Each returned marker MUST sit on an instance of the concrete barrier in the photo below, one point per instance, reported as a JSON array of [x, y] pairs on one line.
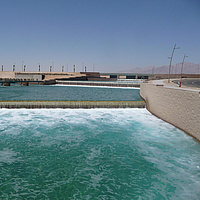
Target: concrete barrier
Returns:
[[71, 104], [179, 107]]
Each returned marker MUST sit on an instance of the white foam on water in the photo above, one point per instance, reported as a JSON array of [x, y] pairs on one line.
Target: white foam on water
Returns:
[[171, 151], [88, 86], [8, 156]]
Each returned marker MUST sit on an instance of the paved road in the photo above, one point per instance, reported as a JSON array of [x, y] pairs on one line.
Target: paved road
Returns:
[[190, 82]]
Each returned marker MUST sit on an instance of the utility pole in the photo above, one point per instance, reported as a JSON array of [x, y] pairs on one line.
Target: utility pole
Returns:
[[153, 70], [171, 61], [93, 67], [53, 65], [182, 69], [82, 66], [22, 65]]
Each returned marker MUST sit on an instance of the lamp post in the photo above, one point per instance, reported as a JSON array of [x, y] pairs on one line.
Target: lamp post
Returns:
[[82, 66], [53, 66], [182, 69], [93, 67], [171, 61], [153, 70]]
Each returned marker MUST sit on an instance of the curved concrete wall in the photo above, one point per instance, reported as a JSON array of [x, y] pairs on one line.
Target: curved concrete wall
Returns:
[[179, 107]]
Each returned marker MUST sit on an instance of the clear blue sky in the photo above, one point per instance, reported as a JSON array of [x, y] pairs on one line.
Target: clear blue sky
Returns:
[[115, 35]]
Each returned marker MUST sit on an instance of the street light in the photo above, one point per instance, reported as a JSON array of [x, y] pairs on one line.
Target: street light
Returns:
[[182, 68], [171, 61]]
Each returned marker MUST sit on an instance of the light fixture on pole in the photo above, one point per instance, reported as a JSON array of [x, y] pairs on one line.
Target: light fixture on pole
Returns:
[[182, 69], [171, 61]]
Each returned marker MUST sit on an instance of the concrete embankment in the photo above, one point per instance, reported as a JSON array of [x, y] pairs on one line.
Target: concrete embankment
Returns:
[[177, 106], [71, 104]]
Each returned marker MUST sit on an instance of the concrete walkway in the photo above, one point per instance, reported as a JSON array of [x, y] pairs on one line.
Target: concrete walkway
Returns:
[[165, 84]]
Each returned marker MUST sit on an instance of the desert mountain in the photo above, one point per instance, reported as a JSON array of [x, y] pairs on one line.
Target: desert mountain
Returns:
[[188, 68]]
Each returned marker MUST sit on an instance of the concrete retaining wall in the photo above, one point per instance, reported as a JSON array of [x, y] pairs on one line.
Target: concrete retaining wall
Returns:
[[179, 107], [28, 77], [4, 75], [72, 104]]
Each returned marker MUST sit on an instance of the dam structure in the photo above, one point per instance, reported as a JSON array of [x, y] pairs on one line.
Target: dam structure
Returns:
[[69, 96], [69, 79], [178, 106]]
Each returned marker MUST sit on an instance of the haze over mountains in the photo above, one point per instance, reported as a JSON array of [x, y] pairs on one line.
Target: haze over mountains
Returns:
[[188, 68]]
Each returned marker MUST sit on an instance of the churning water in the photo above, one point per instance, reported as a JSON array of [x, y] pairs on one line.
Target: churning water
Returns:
[[95, 154]]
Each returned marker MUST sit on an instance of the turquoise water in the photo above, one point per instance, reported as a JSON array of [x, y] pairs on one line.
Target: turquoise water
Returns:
[[95, 154], [57, 93]]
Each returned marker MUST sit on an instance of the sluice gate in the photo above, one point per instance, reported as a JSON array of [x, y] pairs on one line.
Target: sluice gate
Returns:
[[71, 104]]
